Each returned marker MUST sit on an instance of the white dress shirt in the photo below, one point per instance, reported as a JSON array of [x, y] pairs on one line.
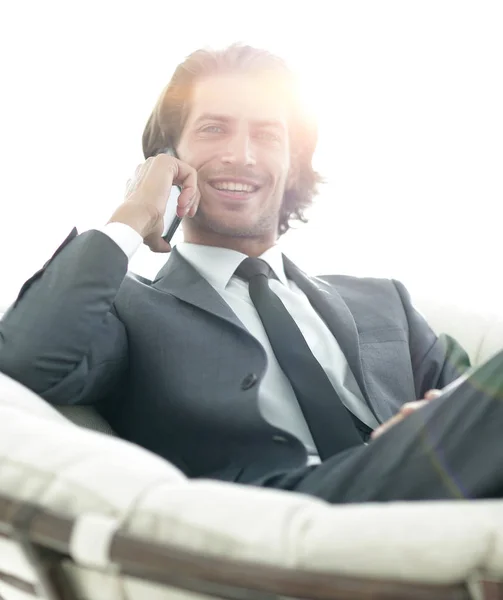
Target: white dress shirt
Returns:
[[276, 398]]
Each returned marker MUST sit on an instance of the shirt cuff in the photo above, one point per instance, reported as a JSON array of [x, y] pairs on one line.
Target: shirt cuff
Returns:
[[124, 236]]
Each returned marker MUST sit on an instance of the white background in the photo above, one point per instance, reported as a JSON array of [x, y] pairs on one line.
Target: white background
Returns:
[[409, 96]]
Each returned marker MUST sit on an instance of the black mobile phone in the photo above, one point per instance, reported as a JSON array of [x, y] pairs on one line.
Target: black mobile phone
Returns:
[[171, 219]]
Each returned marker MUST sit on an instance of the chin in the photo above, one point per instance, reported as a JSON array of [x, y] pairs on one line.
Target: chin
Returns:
[[237, 226]]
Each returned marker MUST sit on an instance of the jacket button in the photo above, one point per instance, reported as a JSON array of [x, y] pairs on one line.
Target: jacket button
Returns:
[[249, 381]]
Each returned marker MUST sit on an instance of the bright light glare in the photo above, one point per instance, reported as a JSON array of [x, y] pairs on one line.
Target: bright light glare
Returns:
[[408, 97]]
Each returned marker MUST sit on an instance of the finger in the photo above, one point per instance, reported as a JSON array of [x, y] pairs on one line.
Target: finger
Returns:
[[385, 426], [380, 430], [185, 200], [195, 205], [181, 173], [193, 210], [186, 176], [432, 394], [167, 171], [410, 407], [155, 179], [405, 410], [136, 180], [157, 244], [141, 171]]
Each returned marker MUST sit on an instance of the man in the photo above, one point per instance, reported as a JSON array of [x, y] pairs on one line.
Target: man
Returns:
[[241, 369]]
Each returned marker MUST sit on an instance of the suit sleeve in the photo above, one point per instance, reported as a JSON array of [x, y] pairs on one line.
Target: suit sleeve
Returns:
[[436, 360], [62, 338]]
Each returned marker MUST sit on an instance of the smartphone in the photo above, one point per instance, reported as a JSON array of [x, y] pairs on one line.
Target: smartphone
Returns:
[[171, 219]]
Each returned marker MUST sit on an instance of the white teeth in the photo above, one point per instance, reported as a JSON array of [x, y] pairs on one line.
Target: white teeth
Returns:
[[233, 187]]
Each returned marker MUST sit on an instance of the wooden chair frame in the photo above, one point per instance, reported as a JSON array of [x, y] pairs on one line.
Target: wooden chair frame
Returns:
[[45, 540]]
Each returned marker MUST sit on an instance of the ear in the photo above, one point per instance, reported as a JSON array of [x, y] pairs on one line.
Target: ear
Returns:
[[292, 178]]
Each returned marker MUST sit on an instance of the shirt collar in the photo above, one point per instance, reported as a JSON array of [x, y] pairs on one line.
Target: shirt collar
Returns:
[[217, 265]]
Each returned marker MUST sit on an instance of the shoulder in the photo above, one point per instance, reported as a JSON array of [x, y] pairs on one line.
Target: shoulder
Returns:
[[365, 287], [374, 302], [135, 290], [133, 279]]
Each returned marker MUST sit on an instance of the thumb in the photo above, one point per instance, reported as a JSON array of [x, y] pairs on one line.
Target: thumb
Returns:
[[410, 407], [432, 394], [157, 243]]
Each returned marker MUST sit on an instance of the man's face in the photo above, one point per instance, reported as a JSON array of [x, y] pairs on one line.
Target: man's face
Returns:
[[236, 137]]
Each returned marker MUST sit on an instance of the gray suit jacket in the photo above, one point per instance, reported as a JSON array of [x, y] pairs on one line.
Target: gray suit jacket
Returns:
[[172, 368]]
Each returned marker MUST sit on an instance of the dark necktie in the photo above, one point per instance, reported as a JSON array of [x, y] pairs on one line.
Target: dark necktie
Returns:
[[328, 419]]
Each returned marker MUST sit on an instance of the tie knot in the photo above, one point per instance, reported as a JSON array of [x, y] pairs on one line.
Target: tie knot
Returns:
[[251, 267]]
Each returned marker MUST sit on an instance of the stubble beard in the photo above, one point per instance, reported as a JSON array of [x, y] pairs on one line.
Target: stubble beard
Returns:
[[261, 228]]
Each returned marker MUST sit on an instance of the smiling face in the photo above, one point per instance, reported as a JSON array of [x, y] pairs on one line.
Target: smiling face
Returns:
[[236, 137]]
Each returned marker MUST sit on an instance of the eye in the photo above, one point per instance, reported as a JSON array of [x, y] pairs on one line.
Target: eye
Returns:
[[269, 136], [212, 129]]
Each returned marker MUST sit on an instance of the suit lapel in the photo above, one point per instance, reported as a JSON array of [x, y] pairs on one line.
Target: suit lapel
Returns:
[[334, 311], [179, 278]]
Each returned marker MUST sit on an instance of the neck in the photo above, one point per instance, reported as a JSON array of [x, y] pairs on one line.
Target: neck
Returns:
[[250, 246]]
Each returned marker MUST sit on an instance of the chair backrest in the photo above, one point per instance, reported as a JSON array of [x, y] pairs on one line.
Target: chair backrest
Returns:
[[38, 549], [479, 331], [90, 516]]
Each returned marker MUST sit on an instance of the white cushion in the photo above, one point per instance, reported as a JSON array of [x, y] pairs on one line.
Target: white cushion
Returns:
[[78, 472], [479, 332], [48, 460], [17, 396]]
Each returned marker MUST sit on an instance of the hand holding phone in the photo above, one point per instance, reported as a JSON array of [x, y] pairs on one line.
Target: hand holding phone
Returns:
[[153, 206], [171, 218]]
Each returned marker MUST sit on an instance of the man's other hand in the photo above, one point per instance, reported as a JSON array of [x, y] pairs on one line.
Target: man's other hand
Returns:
[[407, 409]]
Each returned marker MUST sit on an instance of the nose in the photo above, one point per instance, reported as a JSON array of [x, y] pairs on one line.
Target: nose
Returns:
[[239, 150]]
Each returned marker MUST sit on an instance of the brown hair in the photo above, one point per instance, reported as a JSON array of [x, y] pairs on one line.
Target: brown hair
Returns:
[[165, 124]]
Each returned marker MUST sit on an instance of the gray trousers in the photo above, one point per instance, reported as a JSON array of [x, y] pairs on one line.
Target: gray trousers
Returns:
[[451, 448]]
